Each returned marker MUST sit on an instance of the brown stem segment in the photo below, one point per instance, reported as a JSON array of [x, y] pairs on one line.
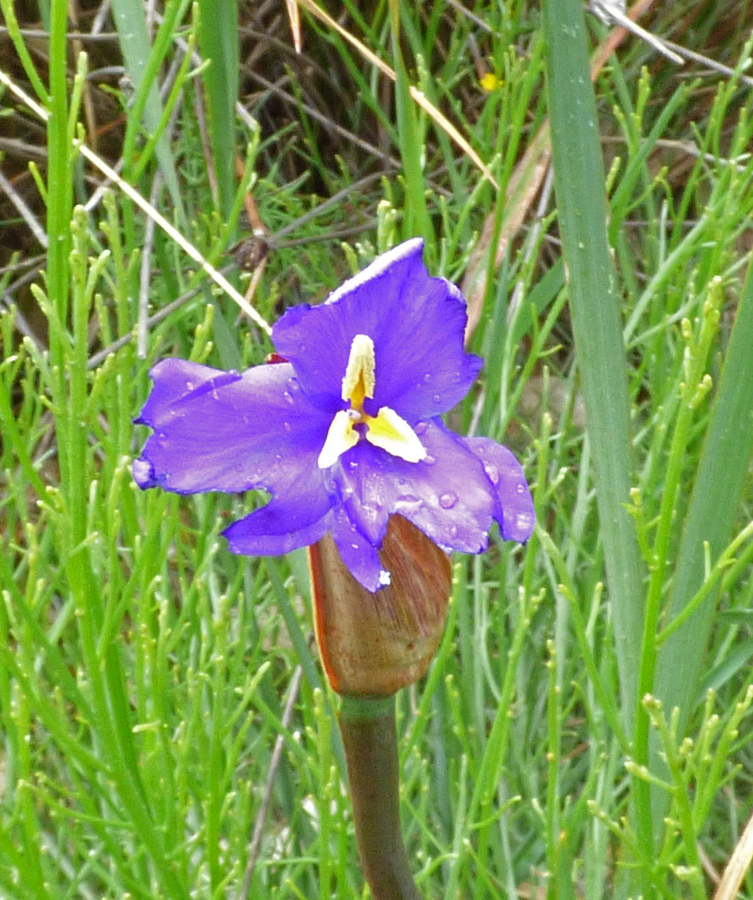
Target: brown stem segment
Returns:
[[370, 738]]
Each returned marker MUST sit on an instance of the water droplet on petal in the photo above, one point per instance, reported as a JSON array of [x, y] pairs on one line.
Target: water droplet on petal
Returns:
[[493, 473], [419, 427], [370, 511], [189, 385], [454, 531], [292, 384], [521, 489], [352, 464], [407, 503], [286, 426], [215, 395], [429, 460], [436, 398], [448, 500], [288, 397], [427, 378]]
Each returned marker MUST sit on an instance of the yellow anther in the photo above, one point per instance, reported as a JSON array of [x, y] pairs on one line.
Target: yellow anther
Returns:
[[359, 375]]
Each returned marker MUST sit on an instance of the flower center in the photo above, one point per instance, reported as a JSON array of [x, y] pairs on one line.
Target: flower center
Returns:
[[386, 429]]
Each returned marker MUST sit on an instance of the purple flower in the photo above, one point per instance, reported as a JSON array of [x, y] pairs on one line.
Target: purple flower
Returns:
[[346, 430]]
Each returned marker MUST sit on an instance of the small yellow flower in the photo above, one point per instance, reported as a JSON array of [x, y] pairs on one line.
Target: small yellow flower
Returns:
[[490, 82]]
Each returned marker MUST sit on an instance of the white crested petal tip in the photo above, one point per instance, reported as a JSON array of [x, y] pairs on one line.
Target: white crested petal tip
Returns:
[[392, 433], [380, 265], [340, 437]]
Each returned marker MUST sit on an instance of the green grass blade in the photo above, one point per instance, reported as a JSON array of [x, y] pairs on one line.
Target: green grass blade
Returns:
[[594, 306], [410, 137], [142, 62], [218, 42]]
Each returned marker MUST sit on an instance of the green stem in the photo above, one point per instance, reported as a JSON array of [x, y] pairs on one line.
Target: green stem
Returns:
[[370, 738]]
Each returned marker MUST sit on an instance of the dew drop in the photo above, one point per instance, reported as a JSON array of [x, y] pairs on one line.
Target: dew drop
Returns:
[[286, 427], [493, 473], [448, 500], [419, 427], [370, 511], [215, 395], [292, 384], [454, 531], [427, 378], [352, 464], [189, 385], [288, 397], [406, 503], [429, 460], [521, 489], [436, 398]]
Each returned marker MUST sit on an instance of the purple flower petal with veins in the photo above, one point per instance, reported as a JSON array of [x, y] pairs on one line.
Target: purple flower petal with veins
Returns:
[[346, 431]]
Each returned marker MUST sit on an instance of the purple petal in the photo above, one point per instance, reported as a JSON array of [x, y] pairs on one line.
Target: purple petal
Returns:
[[448, 495], [278, 527], [417, 324], [221, 431], [515, 512], [358, 553]]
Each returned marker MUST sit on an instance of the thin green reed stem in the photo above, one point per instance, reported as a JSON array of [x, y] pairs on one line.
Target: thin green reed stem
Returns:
[[59, 207], [594, 306], [714, 507], [693, 388], [69, 355], [417, 219], [14, 33]]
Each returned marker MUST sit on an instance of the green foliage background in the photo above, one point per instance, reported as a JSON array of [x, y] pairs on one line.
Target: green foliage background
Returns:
[[164, 728]]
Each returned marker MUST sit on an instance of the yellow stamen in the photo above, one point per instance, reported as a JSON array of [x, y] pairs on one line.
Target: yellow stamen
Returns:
[[359, 376]]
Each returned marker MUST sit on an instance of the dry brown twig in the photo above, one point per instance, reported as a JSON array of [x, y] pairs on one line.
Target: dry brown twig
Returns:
[[737, 866]]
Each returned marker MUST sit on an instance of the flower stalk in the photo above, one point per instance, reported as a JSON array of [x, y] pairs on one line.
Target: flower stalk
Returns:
[[370, 739]]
